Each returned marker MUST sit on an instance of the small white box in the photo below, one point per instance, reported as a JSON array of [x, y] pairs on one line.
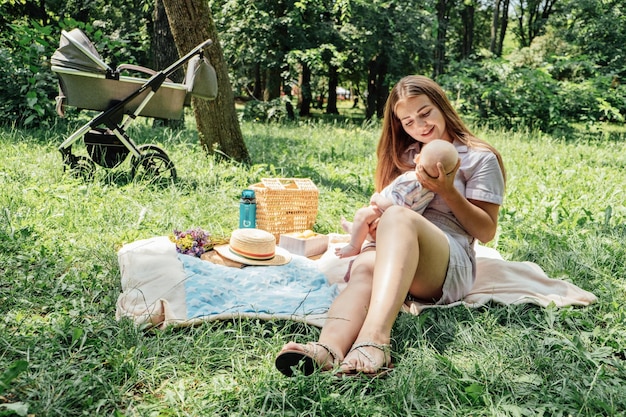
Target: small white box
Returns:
[[309, 246]]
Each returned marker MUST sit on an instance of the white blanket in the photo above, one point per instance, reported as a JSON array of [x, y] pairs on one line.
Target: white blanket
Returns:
[[161, 287], [497, 280]]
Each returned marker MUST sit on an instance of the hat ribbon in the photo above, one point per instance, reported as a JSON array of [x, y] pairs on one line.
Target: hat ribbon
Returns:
[[253, 256]]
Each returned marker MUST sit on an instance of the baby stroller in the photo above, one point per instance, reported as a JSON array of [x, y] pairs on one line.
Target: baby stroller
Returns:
[[87, 82]]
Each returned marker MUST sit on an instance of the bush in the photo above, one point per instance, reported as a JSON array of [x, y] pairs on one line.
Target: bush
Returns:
[[266, 111], [27, 98], [499, 95], [29, 88]]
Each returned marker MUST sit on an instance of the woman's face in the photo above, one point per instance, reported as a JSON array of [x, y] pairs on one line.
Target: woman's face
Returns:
[[421, 119]]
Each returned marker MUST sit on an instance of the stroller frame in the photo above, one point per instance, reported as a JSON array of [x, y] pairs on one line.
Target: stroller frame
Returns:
[[105, 134]]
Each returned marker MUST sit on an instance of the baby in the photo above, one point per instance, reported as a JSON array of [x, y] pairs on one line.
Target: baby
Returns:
[[405, 190]]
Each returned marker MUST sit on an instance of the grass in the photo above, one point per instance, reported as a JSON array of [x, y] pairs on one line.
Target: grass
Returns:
[[62, 353]]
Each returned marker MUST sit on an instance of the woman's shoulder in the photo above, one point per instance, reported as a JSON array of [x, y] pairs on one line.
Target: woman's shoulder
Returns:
[[476, 154], [478, 160]]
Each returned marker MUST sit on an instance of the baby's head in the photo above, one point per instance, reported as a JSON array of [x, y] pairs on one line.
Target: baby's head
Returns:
[[435, 151]]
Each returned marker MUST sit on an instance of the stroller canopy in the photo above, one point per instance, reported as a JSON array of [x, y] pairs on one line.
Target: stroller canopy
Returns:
[[77, 52]]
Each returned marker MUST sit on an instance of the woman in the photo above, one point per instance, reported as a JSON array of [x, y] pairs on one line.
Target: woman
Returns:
[[429, 256]]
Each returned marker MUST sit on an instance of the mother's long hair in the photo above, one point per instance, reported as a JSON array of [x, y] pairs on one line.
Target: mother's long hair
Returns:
[[394, 140]]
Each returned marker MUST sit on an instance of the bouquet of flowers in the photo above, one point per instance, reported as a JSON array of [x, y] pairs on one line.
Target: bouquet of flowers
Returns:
[[193, 242]]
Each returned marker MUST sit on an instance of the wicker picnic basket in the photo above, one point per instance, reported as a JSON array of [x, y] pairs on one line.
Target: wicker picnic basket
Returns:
[[285, 205]]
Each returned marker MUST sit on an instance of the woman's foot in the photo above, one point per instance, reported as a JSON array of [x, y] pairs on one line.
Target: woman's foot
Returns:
[[307, 358], [367, 358]]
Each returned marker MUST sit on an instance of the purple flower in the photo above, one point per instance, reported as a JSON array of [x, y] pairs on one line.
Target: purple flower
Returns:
[[192, 242]]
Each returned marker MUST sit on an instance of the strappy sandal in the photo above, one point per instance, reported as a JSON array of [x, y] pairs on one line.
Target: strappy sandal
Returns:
[[382, 370], [306, 360]]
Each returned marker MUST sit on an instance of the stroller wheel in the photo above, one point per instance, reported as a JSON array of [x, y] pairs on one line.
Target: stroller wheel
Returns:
[[81, 167], [152, 166], [147, 149]]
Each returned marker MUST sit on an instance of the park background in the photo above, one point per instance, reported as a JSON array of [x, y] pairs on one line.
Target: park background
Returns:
[[541, 80]]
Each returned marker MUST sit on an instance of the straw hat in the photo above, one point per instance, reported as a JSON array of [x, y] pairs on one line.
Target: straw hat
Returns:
[[254, 247]]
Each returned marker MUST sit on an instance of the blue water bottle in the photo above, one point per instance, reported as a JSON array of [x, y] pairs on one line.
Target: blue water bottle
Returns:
[[247, 210]]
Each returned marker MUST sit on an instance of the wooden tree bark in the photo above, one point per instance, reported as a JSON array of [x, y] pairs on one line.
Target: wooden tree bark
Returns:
[[532, 18], [272, 84], [443, 18], [333, 83], [504, 22], [305, 97], [467, 17], [218, 126], [499, 24], [370, 104], [377, 88], [257, 89], [164, 54]]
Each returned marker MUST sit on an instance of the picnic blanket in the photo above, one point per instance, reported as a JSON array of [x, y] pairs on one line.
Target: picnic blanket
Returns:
[[161, 287]]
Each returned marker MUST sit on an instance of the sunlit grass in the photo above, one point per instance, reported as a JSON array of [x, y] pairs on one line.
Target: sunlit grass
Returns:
[[564, 209]]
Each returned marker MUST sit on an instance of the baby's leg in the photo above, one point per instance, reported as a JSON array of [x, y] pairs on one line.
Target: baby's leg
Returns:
[[346, 225], [360, 229]]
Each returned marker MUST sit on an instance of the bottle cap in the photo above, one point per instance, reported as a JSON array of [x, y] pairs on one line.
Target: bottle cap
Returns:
[[247, 194]]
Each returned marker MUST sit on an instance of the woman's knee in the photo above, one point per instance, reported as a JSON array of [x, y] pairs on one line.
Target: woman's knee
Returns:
[[399, 218], [362, 270]]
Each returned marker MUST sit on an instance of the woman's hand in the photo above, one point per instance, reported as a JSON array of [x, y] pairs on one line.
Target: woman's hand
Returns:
[[373, 227], [443, 184], [479, 218]]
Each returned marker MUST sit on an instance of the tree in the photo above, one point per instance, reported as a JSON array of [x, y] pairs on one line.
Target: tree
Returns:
[[443, 18], [164, 53], [598, 29], [218, 127], [532, 17], [257, 35], [305, 96], [498, 26], [467, 30], [315, 45]]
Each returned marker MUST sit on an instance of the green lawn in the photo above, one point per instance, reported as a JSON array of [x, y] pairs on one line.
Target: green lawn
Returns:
[[62, 353]]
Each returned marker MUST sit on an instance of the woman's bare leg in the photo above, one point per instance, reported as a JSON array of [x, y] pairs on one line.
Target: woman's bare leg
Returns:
[[347, 312], [411, 256]]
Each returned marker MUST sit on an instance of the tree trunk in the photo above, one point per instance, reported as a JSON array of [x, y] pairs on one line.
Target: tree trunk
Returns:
[[272, 84], [165, 53], [495, 25], [305, 97], [333, 83], [532, 18], [499, 24], [377, 88], [370, 105], [504, 22], [467, 16], [382, 89], [443, 17], [257, 90], [218, 126]]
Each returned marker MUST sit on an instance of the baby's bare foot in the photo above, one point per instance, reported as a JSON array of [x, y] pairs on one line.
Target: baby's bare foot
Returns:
[[347, 251]]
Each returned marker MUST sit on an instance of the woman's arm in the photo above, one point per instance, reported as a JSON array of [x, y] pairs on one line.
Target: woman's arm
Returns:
[[479, 218]]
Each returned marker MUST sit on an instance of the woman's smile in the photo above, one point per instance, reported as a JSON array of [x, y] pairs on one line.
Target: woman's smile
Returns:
[[420, 119]]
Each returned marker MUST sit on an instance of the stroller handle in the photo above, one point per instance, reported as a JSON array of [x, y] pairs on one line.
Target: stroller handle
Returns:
[[197, 50], [204, 44]]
